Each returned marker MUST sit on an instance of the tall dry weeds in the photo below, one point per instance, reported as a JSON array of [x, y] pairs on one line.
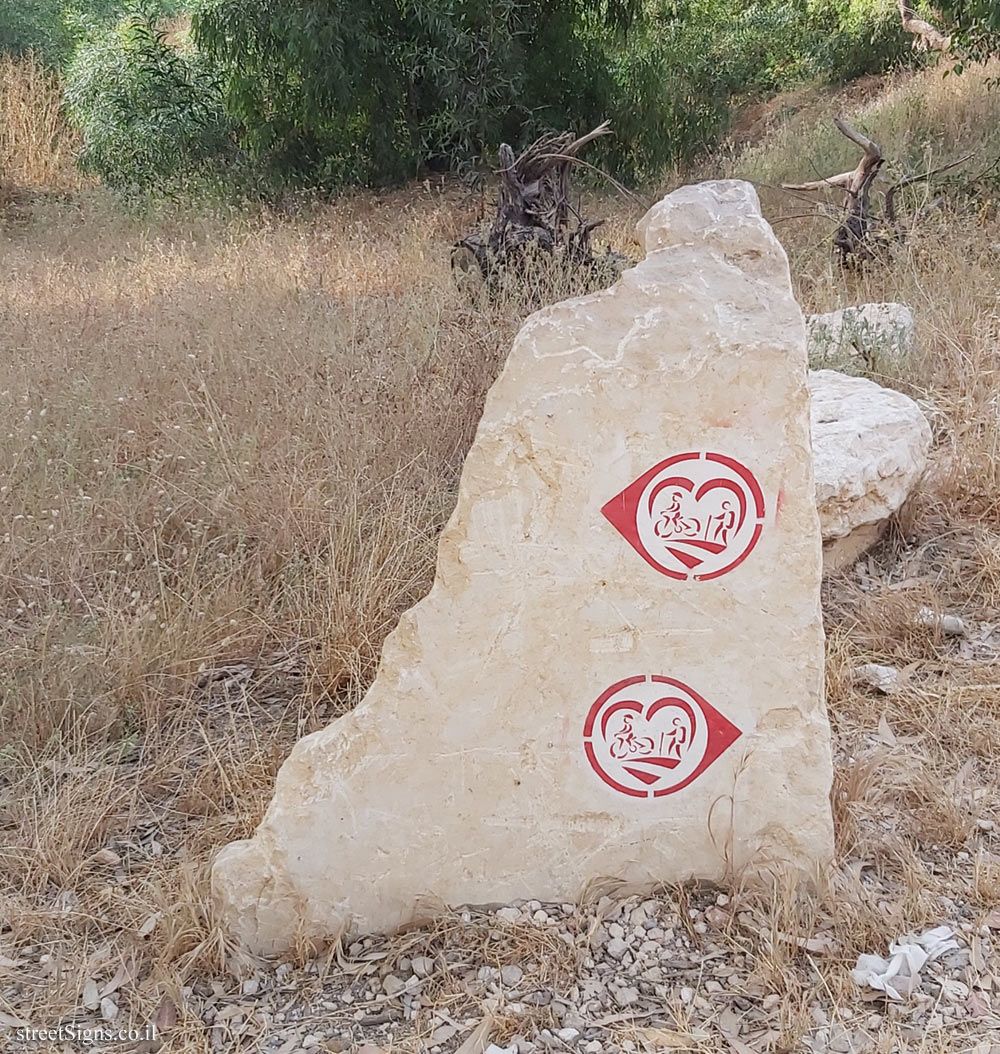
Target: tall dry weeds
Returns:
[[36, 144]]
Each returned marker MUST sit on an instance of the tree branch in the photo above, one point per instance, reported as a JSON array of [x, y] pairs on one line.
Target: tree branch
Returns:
[[872, 151], [890, 194], [850, 182], [842, 182], [928, 37]]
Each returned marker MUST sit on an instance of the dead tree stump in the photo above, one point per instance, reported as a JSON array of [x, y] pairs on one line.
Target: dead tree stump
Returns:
[[531, 224], [864, 233]]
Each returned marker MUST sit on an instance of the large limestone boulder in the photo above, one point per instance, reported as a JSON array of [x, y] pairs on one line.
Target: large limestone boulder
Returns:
[[870, 449], [872, 332], [619, 668]]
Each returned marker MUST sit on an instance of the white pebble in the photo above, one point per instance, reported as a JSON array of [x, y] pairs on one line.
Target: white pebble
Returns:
[[627, 996], [392, 985], [616, 948]]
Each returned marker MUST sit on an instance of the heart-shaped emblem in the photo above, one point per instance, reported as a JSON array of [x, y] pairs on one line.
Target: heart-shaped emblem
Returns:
[[695, 515], [651, 736]]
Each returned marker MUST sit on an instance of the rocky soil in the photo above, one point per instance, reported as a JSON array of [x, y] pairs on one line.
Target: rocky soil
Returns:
[[691, 969]]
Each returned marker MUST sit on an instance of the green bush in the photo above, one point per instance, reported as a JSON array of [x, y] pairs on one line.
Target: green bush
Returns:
[[321, 93], [51, 28], [151, 112], [374, 90], [369, 91], [976, 26], [35, 25], [855, 37], [683, 71]]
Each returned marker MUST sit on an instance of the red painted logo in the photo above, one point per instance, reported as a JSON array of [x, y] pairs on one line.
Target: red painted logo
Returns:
[[695, 515], [651, 736]]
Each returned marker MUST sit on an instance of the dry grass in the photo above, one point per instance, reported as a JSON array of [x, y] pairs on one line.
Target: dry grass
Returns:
[[228, 446], [36, 145]]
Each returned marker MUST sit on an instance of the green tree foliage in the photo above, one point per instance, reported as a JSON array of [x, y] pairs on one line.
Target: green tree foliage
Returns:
[[375, 90], [685, 67], [977, 26], [673, 85], [45, 27], [151, 112], [371, 90], [326, 92], [854, 37], [34, 25], [53, 28]]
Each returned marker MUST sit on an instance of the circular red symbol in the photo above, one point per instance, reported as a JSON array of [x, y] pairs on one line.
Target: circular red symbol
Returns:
[[695, 515], [651, 736]]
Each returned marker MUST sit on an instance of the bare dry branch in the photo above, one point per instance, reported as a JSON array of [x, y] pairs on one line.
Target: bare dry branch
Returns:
[[858, 181], [624, 191], [534, 209], [863, 234], [575, 146], [796, 216], [841, 182], [871, 149], [928, 37]]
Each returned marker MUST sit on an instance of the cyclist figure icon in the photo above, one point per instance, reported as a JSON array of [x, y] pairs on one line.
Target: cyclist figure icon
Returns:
[[627, 743], [672, 522], [673, 744]]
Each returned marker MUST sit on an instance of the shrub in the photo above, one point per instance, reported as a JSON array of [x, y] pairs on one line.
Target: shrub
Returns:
[[50, 28], [151, 112], [36, 26], [977, 26], [855, 37], [322, 93], [684, 68], [374, 90]]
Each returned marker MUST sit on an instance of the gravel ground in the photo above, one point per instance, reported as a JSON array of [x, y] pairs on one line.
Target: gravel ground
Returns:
[[691, 971]]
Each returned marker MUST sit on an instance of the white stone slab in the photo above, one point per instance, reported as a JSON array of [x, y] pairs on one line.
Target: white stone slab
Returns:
[[619, 668], [870, 448]]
